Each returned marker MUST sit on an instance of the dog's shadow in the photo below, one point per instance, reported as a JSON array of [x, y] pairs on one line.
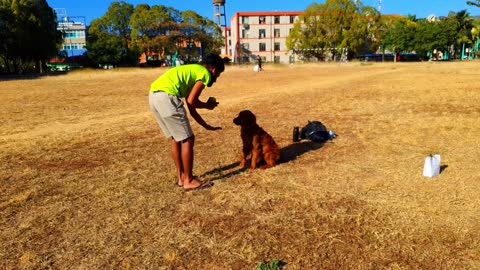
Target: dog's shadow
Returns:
[[224, 172], [293, 151], [288, 153]]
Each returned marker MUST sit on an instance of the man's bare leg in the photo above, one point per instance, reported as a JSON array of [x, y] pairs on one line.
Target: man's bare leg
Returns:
[[189, 181], [177, 158]]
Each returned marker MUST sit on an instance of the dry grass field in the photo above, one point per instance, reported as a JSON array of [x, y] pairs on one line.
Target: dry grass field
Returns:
[[87, 181]]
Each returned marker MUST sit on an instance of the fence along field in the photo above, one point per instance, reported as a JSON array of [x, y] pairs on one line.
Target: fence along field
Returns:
[[87, 181]]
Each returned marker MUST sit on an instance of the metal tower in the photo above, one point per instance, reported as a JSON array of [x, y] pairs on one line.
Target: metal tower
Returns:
[[61, 14], [379, 6], [219, 13]]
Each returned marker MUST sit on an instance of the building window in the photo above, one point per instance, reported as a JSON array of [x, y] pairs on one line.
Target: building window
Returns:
[[261, 33], [244, 33], [277, 46], [262, 20], [244, 20], [292, 19], [262, 47], [229, 42], [277, 32], [245, 46], [276, 59], [70, 34], [74, 34], [74, 46], [276, 19]]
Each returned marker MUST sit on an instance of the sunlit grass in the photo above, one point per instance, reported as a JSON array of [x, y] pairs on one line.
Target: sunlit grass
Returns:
[[87, 180]]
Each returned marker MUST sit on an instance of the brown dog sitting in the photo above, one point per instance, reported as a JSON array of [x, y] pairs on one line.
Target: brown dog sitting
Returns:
[[256, 142]]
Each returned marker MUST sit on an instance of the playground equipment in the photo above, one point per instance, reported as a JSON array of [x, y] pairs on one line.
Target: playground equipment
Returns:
[[475, 52], [174, 59], [471, 53]]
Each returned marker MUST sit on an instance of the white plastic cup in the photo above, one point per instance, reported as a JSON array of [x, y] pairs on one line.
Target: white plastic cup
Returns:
[[431, 167]]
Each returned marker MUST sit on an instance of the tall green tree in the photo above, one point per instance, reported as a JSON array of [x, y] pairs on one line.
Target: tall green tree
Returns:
[[325, 29], [304, 37], [464, 25], [458, 26], [362, 36], [124, 32], [433, 35], [7, 36], [109, 37], [399, 35], [28, 30], [197, 29], [155, 29]]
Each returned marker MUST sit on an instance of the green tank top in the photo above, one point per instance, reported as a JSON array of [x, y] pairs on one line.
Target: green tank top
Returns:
[[179, 81]]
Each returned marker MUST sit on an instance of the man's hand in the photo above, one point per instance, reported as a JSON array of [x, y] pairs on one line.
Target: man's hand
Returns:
[[211, 103]]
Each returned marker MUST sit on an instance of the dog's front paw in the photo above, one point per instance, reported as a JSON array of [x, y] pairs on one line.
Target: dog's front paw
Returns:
[[242, 164]]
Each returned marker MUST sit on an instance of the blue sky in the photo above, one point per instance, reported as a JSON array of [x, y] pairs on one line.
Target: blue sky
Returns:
[[91, 9]]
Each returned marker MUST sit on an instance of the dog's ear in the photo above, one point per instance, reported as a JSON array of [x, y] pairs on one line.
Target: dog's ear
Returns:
[[245, 118], [249, 118], [253, 118]]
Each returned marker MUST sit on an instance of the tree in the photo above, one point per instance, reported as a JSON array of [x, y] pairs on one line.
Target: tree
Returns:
[[7, 22], [29, 35], [464, 25], [109, 37], [472, 3], [435, 35], [325, 29], [399, 35], [362, 36], [458, 26], [303, 37], [196, 29], [105, 48], [124, 33], [153, 28]]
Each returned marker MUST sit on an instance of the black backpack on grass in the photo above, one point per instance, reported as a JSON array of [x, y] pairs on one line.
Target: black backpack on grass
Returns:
[[316, 132]]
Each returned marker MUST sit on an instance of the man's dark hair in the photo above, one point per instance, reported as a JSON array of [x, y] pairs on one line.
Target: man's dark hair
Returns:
[[214, 60]]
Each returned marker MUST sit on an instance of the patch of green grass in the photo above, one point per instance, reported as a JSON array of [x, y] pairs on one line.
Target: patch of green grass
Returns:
[[272, 265]]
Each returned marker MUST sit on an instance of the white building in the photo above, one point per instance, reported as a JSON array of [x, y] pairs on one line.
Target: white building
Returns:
[[74, 31], [260, 33], [74, 39]]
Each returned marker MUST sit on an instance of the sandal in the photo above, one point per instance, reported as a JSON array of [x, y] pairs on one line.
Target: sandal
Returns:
[[203, 185]]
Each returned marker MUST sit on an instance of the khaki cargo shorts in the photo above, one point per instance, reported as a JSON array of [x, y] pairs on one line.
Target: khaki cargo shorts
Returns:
[[171, 115]]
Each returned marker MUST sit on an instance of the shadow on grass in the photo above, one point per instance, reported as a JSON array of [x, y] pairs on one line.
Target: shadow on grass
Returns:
[[293, 151], [288, 153], [224, 172], [31, 76]]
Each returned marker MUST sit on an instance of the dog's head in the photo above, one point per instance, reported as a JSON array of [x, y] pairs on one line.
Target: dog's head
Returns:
[[245, 119]]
